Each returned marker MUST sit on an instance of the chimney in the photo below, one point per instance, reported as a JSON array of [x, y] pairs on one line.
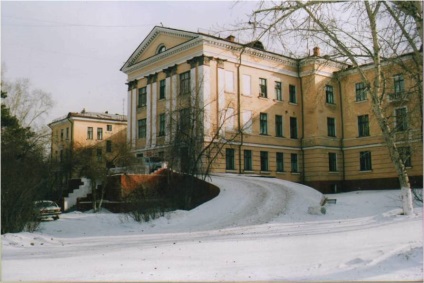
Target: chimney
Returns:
[[230, 38], [317, 51]]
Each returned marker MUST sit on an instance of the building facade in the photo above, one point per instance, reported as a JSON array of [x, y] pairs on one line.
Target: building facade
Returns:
[[302, 120], [102, 133]]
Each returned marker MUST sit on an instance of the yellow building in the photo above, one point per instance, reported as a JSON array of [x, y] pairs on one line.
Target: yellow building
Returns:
[[295, 119], [102, 132]]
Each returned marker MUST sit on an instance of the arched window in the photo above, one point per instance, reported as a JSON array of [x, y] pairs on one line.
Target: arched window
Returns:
[[161, 48]]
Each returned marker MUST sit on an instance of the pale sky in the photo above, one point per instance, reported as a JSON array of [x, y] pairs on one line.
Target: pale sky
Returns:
[[74, 50]]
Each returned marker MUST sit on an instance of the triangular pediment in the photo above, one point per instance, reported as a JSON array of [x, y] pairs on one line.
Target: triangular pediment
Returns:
[[159, 40]]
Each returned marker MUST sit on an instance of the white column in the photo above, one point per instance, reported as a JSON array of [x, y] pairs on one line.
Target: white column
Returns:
[[129, 117], [154, 113], [148, 119], [205, 97], [221, 98], [134, 117], [168, 109], [174, 92]]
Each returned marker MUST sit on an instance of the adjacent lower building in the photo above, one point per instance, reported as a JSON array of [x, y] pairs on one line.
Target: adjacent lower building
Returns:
[[251, 111], [101, 134]]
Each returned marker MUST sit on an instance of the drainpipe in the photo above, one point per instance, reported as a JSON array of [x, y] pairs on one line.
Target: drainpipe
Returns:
[[303, 123], [71, 147], [239, 111], [238, 115], [342, 126]]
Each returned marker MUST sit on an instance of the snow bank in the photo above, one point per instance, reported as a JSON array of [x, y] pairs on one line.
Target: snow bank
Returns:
[[255, 229]]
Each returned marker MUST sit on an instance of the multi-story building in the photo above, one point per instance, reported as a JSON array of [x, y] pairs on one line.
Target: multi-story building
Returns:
[[101, 132], [303, 120]]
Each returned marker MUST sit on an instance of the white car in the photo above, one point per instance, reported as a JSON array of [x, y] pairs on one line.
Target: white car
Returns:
[[45, 209]]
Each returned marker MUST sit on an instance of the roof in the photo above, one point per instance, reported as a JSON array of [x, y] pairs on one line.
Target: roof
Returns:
[[92, 115]]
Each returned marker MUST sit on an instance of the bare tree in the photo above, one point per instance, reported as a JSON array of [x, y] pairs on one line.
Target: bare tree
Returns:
[[30, 106], [379, 32]]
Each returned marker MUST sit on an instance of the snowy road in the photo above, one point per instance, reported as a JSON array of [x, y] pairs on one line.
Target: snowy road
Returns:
[[255, 229]]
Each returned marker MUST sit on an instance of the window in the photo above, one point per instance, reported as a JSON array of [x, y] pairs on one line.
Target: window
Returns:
[[363, 126], [89, 133], [331, 127], [141, 128], [293, 162], [99, 154], [399, 86], [61, 134], [246, 85], [185, 83], [247, 160], [280, 162], [401, 119], [263, 124], [109, 128], [360, 91], [262, 88], [247, 120], [161, 48], [332, 162], [142, 96], [329, 94], [292, 94], [108, 146], [99, 133], [365, 161], [264, 160], [162, 87], [278, 125], [184, 119], [67, 133], [293, 127], [229, 119], [278, 94], [229, 81], [229, 159], [162, 124], [405, 154]]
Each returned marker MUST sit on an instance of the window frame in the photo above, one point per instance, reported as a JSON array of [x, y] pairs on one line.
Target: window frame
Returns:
[[331, 127], [332, 162], [279, 161], [294, 163], [278, 91], [363, 126], [162, 122], [142, 97], [90, 134], [293, 128], [162, 89], [292, 94], [99, 134], [279, 130], [263, 89], [401, 119], [142, 128], [108, 146], [230, 159], [365, 161], [185, 84], [360, 92], [263, 123], [264, 161], [247, 158], [329, 94]]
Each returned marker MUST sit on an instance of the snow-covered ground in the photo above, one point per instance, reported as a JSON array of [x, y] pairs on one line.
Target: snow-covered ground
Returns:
[[255, 229]]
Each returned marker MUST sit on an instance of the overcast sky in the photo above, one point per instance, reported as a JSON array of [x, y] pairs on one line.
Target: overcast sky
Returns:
[[74, 50]]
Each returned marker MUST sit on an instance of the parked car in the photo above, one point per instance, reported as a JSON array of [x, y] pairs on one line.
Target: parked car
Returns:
[[154, 163], [45, 209]]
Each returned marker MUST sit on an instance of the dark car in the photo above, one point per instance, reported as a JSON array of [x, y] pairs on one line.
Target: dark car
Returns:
[[45, 209]]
